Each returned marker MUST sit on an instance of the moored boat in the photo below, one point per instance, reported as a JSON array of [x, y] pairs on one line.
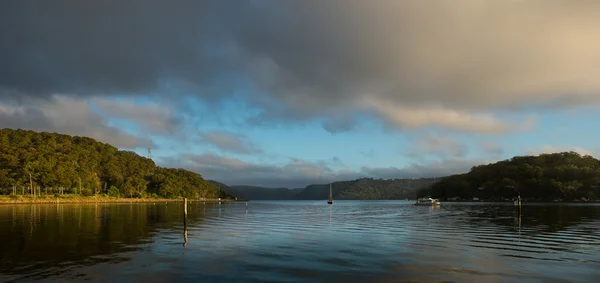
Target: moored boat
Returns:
[[427, 201]]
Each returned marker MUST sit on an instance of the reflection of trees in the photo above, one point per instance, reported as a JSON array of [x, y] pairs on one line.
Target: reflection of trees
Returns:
[[40, 238], [535, 218]]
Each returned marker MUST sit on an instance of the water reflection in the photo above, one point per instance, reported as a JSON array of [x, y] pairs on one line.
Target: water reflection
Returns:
[[42, 240], [185, 236], [371, 241]]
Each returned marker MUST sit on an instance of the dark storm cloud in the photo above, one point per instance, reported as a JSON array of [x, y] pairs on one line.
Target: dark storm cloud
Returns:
[[102, 46], [412, 64]]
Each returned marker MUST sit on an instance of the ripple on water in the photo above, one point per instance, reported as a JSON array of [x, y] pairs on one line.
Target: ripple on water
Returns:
[[302, 241]]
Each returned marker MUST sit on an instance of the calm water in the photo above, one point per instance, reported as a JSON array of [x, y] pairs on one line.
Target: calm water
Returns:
[[300, 241]]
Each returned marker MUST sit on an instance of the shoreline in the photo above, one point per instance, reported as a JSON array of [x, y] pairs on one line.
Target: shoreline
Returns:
[[523, 202], [97, 199]]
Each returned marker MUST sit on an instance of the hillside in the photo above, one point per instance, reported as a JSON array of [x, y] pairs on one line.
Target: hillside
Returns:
[[368, 188], [365, 188], [547, 177], [262, 193], [61, 164], [257, 193]]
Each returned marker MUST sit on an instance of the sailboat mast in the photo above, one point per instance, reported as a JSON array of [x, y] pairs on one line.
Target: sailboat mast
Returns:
[[330, 201]]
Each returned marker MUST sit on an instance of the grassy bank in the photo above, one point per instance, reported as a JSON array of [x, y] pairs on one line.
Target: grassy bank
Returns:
[[73, 198]]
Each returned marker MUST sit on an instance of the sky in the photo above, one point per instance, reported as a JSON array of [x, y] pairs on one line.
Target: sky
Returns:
[[290, 93]]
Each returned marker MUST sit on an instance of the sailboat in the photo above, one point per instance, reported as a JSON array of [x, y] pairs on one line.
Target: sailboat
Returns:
[[330, 200]]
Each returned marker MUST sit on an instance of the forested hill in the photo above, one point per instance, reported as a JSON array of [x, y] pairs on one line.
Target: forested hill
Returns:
[[368, 188], [59, 163], [547, 177], [255, 192], [365, 188]]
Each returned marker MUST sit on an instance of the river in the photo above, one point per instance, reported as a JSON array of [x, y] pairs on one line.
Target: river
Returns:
[[300, 241]]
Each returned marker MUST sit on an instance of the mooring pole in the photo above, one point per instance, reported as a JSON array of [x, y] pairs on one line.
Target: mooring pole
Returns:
[[184, 211], [185, 232]]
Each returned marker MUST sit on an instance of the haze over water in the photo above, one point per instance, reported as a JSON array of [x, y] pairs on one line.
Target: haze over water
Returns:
[[300, 241]]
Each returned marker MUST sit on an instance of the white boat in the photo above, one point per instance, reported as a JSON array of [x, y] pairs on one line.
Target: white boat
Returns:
[[427, 201]]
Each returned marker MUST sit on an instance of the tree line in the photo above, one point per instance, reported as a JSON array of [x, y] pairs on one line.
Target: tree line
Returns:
[[44, 163], [359, 189], [565, 176]]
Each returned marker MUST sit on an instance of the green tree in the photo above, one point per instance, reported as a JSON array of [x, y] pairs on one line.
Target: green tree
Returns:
[[70, 164]]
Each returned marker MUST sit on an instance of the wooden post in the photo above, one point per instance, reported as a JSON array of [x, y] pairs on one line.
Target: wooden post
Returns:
[[185, 235], [184, 211], [185, 206]]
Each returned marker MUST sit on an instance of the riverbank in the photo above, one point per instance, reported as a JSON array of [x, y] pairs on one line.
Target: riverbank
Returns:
[[18, 199], [522, 201]]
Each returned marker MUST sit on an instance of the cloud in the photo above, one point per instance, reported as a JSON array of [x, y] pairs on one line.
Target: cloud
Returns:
[[491, 148], [301, 60], [230, 142], [234, 171], [66, 116], [337, 125], [368, 153], [436, 116], [153, 118], [297, 173], [414, 118], [553, 149], [439, 168], [441, 146]]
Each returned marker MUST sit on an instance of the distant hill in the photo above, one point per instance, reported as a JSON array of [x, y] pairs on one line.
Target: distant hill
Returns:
[[256, 192], [52, 163], [365, 188], [547, 177], [262, 193], [368, 188]]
